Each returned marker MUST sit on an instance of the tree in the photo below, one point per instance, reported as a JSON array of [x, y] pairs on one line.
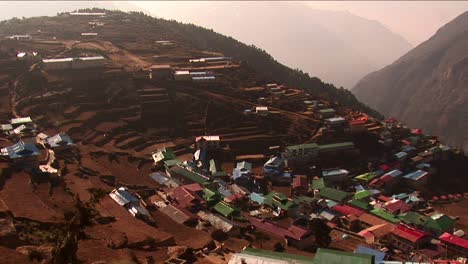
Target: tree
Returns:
[[321, 232]]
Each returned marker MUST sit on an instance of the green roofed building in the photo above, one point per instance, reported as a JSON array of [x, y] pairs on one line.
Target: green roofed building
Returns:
[[360, 204], [385, 215], [439, 223], [329, 256], [336, 147], [333, 194], [187, 176], [211, 196], [318, 183], [251, 255], [276, 199], [171, 163], [304, 151], [215, 169], [360, 195], [303, 200], [366, 177], [413, 218], [225, 209], [327, 113]]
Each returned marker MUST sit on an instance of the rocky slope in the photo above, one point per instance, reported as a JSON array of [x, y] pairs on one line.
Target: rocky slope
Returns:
[[427, 87]]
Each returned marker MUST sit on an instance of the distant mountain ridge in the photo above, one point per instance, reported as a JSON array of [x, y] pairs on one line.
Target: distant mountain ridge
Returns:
[[336, 46], [427, 87]]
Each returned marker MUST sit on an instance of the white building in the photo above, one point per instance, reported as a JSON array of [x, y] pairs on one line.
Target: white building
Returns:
[[73, 63], [182, 76], [20, 37], [261, 110]]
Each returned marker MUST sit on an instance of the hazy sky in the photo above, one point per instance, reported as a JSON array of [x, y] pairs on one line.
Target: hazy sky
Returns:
[[414, 20]]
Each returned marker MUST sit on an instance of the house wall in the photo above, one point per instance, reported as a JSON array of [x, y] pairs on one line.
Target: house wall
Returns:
[[454, 250], [302, 244]]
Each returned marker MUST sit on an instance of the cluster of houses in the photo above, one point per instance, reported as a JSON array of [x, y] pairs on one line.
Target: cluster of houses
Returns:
[[165, 72], [370, 206], [33, 150], [201, 76]]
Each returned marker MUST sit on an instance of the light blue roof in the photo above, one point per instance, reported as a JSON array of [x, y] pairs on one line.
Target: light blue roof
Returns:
[[123, 197], [331, 173], [416, 175], [244, 165], [327, 215], [394, 173], [203, 78], [59, 140], [408, 148], [224, 191], [159, 178], [401, 154], [216, 58], [331, 203], [423, 166], [256, 197], [275, 161], [400, 196], [379, 256], [21, 149]]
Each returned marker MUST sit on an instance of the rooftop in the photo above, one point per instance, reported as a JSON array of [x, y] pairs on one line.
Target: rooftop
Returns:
[[385, 215], [410, 234], [333, 194], [263, 256], [416, 175], [449, 238], [330, 256]]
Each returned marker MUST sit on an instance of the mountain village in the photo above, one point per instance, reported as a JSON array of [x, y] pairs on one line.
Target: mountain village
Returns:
[[352, 189]]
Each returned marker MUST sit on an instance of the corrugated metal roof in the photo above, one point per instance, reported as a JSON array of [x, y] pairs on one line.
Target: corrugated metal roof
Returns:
[[122, 196]]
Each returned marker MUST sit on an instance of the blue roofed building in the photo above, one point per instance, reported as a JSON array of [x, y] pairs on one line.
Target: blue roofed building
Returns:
[[335, 175], [242, 169], [257, 198], [417, 178], [59, 141], [159, 178], [378, 255], [22, 151], [273, 166]]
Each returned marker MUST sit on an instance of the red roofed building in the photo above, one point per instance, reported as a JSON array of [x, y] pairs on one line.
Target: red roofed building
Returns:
[[296, 236], [357, 126], [386, 182], [408, 239], [383, 198], [384, 167], [406, 142], [194, 187], [185, 198], [396, 206], [234, 198], [454, 245], [441, 261], [347, 210]]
